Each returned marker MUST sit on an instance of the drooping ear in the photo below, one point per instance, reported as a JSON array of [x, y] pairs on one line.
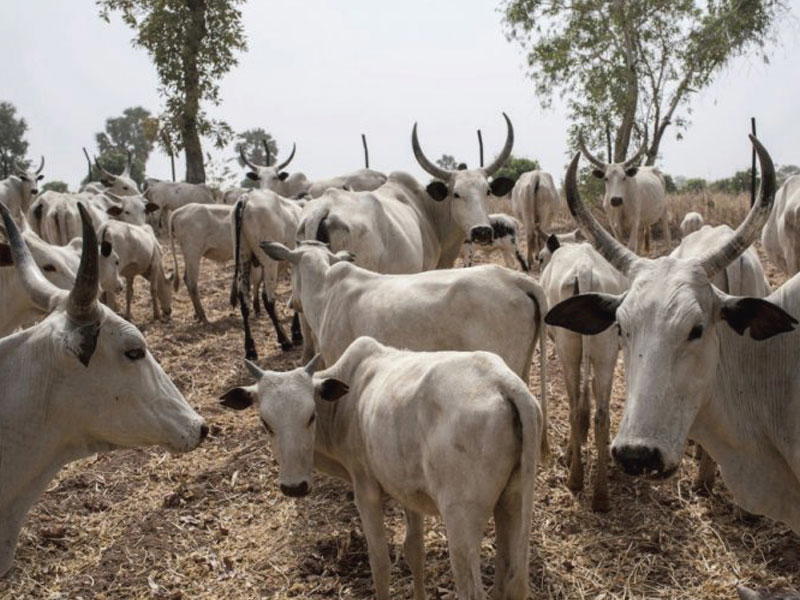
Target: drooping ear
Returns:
[[631, 171], [252, 175], [150, 207], [105, 248], [552, 243], [587, 314], [278, 251], [599, 173], [437, 190], [239, 398], [343, 256], [501, 186], [283, 175], [114, 210], [764, 318], [82, 341], [331, 389], [5, 255]]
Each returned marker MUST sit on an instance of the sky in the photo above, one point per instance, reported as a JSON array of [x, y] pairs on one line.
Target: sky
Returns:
[[320, 73]]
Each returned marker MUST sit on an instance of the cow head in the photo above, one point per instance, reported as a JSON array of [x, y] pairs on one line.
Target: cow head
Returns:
[[107, 390], [122, 184], [110, 280], [287, 405], [617, 176], [30, 180], [468, 189], [131, 209], [554, 242], [669, 322], [268, 177]]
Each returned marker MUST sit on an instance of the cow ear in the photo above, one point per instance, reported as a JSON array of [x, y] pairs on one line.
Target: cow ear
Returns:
[[631, 172], [461, 167], [283, 175], [252, 175], [552, 243], [587, 314], [82, 341], [437, 190], [764, 318], [277, 251], [501, 186], [599, 173], [150, 207], [331, 389], [5, 255], [114, 210], [105, 248], [238, 398]]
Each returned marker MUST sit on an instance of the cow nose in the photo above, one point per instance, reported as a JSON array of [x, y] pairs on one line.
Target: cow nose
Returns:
[[295, 491], [616, 201], [639, 460], [203, 431], [481, 234]]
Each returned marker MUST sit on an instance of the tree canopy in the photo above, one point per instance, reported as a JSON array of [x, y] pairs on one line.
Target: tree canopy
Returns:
[[13, 146], [516, 166]]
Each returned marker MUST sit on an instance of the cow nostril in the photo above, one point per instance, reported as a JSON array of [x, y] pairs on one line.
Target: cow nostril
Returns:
[[639, 460], [203, 431], [616, 201], [295, 491]]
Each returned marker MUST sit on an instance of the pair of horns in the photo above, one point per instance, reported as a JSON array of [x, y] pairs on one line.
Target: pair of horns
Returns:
[[256, 166], [107, 174], [602, 165], [22, 168]]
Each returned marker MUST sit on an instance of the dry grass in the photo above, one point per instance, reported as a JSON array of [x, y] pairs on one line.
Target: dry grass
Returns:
[[212, 524]]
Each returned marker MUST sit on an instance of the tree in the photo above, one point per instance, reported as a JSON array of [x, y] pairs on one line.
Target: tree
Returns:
[[13, 146], [516, 166], [448, 161], [251, 142], [738, 183], [192, 44], [631, 66], [695, 184], [135, 132], [785, 171], [55, 186]]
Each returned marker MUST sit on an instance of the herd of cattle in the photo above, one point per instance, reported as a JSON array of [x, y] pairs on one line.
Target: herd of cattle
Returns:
[[415, 376]]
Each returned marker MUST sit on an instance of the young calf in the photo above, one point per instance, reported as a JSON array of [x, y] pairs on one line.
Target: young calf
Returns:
[[127, 251], [577, 268], [506, 233], [449, 433]]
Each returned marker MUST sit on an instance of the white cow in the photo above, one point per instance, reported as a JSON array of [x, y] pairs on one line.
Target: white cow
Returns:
[[362, 180], [454, 434], [692, 373], [781, 234], [571, 269], [692, 221], [127, 251], [505, 233], [535, 201], [79, 382], [171, 195], [483, 308], [122, 184], [634, 200], [17, 191], [261, 215], [273, 177]]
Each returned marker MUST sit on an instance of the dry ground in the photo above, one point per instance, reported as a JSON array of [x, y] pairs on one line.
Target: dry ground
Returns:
[[212, 524]]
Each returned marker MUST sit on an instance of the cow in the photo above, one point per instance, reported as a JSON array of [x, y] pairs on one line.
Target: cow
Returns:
[[485, 307], [505, 232], [781, 234], [362, 180], [82, 381], [273, 177], [127, 251], [572, 269], [634, 199], [170, 195], [691, 370], [535, 201], [122, 184], [261, 215], [18, 191], [692, 221], [454, 434]]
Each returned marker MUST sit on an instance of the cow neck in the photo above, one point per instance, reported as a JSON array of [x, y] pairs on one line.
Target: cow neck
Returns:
[[447, 234]]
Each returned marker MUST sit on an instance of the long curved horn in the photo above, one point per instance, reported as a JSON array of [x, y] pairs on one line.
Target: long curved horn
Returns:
[[247, 161], [285, 163], [748, 230], [89, 163], [267, 154], [82, 301], [480, 148], [366, 150], [635, 158], [618, 255], [106, 174], [423, 161], [126, 172], [589, 156], [505, 152], [40, 291], [41, 166]]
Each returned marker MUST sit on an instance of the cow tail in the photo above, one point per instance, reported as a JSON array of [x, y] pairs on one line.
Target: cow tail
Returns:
[[238, 209], [583, 284], [176, 282], [535, 293]]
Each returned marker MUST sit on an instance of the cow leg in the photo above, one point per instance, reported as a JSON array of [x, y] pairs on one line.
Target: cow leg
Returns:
[[667, 230], [603, 381], [370, 509], [257, 286], [128, 297], [464, 533], [268, 282], [706, 473], [191, 275], [646, 239], [512, 518], [529, 242], [154, 298], [414, 550], [469, 252], [297, 333], [569, 351], [244, 297]]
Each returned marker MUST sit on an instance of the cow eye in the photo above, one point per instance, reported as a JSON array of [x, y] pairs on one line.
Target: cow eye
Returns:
[[696, 332], [267, 428], [311, 419], [49, 268], [455, 195], [135, 353]]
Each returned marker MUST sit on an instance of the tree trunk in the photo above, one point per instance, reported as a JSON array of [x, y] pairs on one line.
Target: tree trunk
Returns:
[[193, 150], [623, 137]]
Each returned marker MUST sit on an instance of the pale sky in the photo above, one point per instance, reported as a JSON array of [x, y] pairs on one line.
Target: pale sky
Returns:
[[320, 73]]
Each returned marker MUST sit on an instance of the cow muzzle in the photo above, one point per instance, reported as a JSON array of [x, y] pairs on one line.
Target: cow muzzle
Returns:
[[641, 461], [616, 201], [481, 234], [295, 491]]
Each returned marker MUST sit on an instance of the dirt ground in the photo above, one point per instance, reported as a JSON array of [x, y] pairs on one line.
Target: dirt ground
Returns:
[[212, 523]]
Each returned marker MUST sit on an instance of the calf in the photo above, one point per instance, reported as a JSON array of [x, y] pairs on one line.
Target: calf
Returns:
[[17, 191], [79, 382], [454, 434], [505, 229], [127, 250], [692, 221], [535, 202]]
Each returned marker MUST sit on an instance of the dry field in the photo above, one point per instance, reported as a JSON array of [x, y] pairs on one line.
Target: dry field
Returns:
[[212, 524]]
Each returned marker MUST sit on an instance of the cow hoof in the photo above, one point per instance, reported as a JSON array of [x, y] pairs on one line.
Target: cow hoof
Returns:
[[286, 346]]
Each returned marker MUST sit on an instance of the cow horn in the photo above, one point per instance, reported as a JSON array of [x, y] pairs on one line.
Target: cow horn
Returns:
[[635, 158], [267, 154], [313, 364], [285, 163], [748, 230], [618, 255], [89, 163], [423, 161], [254, 369], [39, 290], [41, 165], [82, 301], [106, 174], [589, 156], [247, 161], [505, 152]]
